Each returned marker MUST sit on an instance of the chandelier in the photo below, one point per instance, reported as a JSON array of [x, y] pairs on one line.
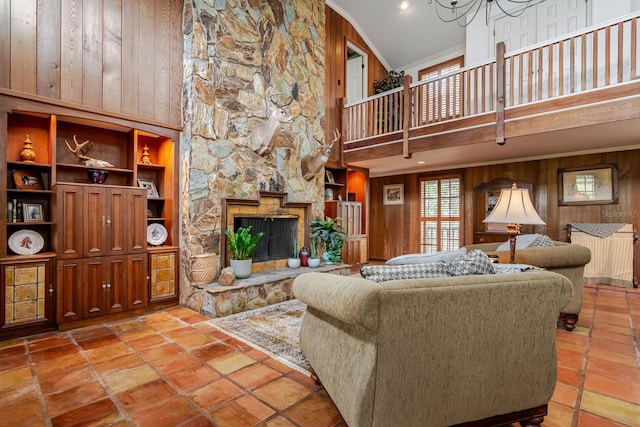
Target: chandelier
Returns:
[[465, 11]]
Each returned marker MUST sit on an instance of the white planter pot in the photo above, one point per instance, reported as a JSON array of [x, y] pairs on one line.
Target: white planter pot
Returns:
[[294, 262], [242, 267], [314, 262]]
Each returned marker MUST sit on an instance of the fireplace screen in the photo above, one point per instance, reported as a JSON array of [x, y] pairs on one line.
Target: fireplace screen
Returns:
[[279, 236]]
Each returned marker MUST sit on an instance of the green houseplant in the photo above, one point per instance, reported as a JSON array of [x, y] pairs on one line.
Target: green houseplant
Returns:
[[328, 232], [241, 244]]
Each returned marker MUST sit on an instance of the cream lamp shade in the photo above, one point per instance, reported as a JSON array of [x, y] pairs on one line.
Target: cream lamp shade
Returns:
[[514, 208]]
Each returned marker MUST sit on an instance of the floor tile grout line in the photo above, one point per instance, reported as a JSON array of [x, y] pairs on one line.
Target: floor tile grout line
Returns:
[[36, 380]]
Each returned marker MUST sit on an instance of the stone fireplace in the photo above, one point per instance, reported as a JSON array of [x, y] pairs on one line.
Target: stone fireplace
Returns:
[[285, 224]]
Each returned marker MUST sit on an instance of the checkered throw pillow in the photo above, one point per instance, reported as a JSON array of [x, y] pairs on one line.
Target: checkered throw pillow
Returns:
[[381, 273], [542, 241], [475, 262]]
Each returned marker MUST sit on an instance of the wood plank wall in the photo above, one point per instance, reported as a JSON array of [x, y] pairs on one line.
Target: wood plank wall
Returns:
[[394, 230], [338, 32], [121, 56]]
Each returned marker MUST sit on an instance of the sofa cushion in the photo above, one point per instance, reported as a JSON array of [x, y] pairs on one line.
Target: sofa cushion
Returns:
[[475, 262], [426, 258], [514, 268], [382, 273], [529, 241]]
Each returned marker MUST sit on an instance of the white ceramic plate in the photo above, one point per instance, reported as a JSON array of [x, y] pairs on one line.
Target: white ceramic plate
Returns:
[[156, 234], [26, 242]]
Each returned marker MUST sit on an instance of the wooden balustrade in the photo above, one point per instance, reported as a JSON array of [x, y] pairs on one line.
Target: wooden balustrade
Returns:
[[593, 58]]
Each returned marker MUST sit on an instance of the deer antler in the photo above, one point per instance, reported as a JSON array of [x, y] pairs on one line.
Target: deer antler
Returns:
[[88, 161], [336, 136], [78, 150], [288, 100]]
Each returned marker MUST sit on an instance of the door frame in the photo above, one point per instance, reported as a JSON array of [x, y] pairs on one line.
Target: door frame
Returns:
[[365, 70]]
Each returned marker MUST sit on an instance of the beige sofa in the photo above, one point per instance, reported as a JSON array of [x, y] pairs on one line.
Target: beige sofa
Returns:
[[564, 258], [434, 352]]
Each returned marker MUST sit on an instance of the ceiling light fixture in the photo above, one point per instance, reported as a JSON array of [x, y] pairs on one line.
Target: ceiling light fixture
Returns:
[[404, 5], [465, 11]]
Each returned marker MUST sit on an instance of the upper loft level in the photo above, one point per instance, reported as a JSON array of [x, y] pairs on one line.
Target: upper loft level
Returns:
[[577, 93]]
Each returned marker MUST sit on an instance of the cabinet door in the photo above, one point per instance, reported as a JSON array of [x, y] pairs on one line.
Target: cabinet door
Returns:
[[27, 294], [115, 285], [95, 215], [94, 288], [69, 277], [137, 280], [137, 224], [163, 280], [69, 221], [116, 210]]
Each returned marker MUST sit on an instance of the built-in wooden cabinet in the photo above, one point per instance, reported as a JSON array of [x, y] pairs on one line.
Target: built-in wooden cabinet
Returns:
[[90, 237], [164, 275]]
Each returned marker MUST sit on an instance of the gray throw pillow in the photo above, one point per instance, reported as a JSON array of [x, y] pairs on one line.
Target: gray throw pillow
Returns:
[[525, 241], [445, 256], [382, 273], [475, 262]]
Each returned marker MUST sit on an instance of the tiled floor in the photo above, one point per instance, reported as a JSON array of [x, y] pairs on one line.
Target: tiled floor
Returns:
[[171, 368]]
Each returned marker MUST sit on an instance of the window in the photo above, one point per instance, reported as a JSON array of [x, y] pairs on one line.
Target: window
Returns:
[[440, 214], [441, 99]]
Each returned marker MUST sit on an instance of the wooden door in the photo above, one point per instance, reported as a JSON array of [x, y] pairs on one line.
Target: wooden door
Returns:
[[70, 274], [137, 281], [116, 210], [163, 280], [94, 288], [95, 215], [115, 284], [69, 221], [137, 221]]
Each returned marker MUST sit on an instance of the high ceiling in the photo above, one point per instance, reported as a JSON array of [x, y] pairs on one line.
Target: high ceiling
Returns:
[[400, 37]]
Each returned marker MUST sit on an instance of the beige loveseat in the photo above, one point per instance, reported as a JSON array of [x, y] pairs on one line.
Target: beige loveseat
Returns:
[[434, 352], [564, 258]]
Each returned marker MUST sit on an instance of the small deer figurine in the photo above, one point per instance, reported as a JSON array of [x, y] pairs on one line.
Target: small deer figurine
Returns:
[[311, 165], [264, 136]]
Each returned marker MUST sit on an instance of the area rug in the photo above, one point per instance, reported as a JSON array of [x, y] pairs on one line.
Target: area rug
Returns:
[[272, 329]]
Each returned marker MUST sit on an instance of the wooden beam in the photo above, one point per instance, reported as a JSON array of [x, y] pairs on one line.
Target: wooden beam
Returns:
[[407, 117], [500, 92]]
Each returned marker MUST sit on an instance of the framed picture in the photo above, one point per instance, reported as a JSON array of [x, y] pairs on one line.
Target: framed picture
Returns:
[[32, 212], [27, 180], [152, 191], [596, 185], [330, 178], [393, 194]]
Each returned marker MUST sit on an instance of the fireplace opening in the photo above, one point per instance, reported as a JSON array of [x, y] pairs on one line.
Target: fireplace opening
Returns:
[[279, 236]]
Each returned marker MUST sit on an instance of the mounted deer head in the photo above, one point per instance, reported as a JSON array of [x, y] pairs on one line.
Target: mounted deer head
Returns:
[[264, 136], [311, 165], [80, 152]]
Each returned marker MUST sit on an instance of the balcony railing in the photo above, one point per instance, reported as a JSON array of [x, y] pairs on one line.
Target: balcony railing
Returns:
[[594, 58]]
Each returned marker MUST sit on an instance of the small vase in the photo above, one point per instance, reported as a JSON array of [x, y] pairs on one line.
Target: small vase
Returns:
[[294, 262], [304, 256], [27, 154], [314, 262], [325, 258]]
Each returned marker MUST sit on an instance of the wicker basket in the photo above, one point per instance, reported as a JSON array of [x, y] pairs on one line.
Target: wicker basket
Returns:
[[203, 268]]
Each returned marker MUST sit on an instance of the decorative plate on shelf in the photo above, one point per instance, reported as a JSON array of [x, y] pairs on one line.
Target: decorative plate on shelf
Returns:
[[26, 242], [156, 234]]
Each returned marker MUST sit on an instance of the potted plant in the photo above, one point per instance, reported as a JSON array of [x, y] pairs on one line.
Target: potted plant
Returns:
[[241, 244], [294, 260], [314, 259], [329, 233]]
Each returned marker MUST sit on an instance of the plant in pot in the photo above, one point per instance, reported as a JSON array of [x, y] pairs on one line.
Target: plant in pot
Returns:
[[314, 259], [241, 244], [294, 260], [329, 233]]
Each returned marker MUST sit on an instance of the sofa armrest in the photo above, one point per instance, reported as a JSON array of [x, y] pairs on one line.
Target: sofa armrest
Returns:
[[351, 299], [568, 255]]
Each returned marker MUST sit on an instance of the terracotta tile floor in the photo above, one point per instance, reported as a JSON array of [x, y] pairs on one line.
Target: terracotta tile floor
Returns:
[[170, 368]]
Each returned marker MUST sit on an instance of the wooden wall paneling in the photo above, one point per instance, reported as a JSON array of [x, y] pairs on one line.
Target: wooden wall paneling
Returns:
[[92, 55], [48, 53], [175, 64], [23, 45], [162, 59], [113, 54], [130, 57], [147, 55], [5, 44], [71, 53]]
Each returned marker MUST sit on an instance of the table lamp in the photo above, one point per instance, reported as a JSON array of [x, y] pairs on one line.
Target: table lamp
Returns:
[[514, 208]]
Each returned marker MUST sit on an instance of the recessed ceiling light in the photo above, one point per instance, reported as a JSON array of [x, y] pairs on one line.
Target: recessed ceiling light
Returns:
[[421, 162], [404, 5]]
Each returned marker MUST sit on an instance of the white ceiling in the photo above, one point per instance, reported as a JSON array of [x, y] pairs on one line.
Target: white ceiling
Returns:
[[402, 39]]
